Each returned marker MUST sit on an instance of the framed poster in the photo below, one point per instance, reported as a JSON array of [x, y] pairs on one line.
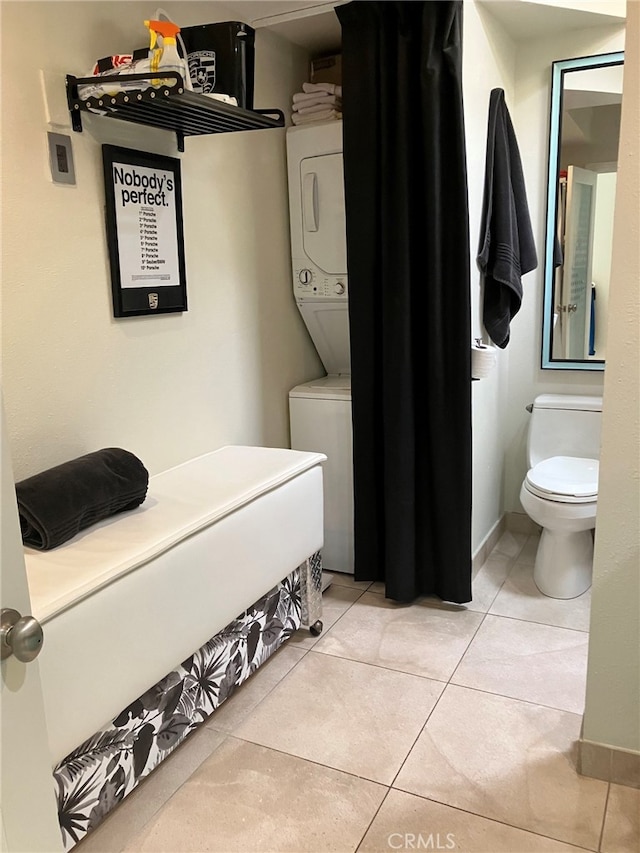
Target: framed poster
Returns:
[[144, 232]]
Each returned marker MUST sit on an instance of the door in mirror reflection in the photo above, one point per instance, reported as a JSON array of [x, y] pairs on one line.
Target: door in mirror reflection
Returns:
[[575, 328]]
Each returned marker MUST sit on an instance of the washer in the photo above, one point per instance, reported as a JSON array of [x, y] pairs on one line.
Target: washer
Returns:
[[320, 415]]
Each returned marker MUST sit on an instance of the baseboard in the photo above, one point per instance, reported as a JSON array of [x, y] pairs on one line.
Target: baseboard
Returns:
[[487, 545], [609, 763], [519, 522]]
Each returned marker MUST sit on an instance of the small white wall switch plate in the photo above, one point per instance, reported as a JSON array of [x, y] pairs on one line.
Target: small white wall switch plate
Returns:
[[61, 159], [54, 95]]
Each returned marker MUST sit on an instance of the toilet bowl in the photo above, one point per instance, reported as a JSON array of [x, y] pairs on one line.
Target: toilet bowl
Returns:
[[560, 494], [560, 491]]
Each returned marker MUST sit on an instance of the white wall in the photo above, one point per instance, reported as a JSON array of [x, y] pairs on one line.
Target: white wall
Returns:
[[612, 710], [604, 7], [489, 57], [531, 120], [166, 387], [600, 144]]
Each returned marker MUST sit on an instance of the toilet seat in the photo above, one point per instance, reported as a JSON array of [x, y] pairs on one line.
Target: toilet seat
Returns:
[[565, 479]]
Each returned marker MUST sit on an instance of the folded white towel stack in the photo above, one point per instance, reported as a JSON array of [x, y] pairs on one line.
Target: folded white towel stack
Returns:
[[317, 102], [325, 115], [331, 88]]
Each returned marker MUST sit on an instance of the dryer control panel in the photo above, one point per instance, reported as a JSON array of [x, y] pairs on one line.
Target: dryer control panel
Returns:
[[309, 281]]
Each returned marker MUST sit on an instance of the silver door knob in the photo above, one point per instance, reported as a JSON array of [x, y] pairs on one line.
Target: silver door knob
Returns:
[[21, 636]]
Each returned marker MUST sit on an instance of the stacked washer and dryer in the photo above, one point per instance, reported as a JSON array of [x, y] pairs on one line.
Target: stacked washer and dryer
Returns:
[[320, 411]]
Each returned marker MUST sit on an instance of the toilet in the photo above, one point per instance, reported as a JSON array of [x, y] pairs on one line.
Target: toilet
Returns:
[[560, 491]]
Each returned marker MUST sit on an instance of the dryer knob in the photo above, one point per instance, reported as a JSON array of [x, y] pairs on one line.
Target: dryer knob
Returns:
[[340, 288], [305, 276]]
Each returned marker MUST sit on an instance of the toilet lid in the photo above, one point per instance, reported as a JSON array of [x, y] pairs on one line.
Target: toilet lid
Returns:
[[568, 479]]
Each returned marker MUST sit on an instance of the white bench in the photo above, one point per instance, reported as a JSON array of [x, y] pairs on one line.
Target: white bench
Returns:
[[124, 602]]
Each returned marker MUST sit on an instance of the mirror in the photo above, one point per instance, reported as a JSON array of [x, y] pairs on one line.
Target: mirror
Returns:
[[586, 98]]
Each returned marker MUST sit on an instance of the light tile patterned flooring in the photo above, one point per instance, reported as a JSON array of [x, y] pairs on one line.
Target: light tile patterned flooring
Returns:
[[428, 726]]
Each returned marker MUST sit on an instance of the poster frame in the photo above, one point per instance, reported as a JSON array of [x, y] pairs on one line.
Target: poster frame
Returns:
[[144, 300]]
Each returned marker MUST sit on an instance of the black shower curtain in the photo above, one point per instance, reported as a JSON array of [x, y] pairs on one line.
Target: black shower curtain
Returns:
[[409, 302]]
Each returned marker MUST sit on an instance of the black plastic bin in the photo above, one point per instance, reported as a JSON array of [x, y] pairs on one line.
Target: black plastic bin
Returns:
[[221, 59]]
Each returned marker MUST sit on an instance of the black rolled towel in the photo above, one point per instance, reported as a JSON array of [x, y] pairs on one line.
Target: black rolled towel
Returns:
[[60, 502]]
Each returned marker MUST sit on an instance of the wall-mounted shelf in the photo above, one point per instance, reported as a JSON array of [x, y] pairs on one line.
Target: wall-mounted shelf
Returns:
[[169, 107]]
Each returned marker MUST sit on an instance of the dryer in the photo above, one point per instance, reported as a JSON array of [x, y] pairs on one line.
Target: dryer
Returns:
[[320, 416], [318, 239]]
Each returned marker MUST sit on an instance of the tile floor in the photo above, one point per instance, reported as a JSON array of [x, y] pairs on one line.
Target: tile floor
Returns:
[[428, 726]]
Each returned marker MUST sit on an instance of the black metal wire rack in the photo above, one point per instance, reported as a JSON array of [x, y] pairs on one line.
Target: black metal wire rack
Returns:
[[168, 106]]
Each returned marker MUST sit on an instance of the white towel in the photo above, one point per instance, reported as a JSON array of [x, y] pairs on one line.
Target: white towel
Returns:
[[302, 97], [325, 115], [316, 106], [331, 88]]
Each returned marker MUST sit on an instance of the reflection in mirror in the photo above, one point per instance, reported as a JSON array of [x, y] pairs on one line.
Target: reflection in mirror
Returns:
[[586, 99]]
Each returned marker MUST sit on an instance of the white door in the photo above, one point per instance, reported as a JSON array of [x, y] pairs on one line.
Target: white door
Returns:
[[324, 234], [576, 296], [328, 323], [28, 815]]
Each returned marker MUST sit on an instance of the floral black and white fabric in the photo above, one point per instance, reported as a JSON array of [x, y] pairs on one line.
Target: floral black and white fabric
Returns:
[[97, 775]]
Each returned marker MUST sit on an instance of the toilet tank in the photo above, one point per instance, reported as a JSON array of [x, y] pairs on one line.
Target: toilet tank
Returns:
[[564, 425]]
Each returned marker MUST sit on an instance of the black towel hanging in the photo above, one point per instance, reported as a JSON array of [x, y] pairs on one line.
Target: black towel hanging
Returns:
[[507, 250]]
